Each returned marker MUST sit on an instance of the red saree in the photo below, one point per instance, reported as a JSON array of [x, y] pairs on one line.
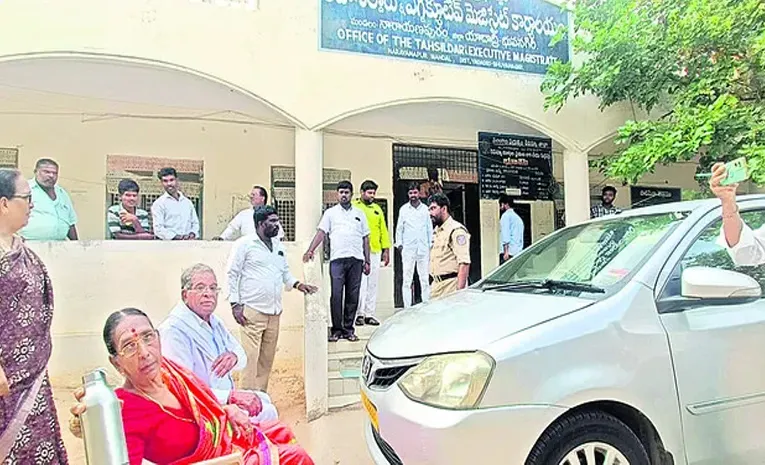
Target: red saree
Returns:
[[270, 444]]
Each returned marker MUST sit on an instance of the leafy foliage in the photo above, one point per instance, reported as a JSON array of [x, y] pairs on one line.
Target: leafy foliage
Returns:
[[697, 66]]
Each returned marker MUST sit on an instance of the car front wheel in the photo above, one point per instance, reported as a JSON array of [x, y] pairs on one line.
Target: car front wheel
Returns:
[[588, 438]]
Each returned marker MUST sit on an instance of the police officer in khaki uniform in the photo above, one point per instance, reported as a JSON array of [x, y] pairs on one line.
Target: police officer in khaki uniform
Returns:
[[450, 254]]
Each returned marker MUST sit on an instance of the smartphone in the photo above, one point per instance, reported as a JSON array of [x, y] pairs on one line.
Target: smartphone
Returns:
[[737, 172]]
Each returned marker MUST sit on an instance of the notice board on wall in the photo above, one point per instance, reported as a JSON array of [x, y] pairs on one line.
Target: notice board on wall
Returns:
[[645, 196], [519, 166]]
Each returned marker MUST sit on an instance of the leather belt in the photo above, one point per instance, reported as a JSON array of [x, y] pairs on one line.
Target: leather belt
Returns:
[[442, 277]]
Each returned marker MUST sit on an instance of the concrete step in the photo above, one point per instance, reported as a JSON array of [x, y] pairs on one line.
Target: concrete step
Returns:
[[344, 382], [339, 361], [344, 401], [342, 346]]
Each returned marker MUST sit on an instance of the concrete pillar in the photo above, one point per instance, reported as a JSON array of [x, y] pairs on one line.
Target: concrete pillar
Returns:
[[576, 184], [309, 165]]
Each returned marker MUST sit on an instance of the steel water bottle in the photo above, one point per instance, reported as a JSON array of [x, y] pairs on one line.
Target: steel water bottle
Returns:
[[102, 427]]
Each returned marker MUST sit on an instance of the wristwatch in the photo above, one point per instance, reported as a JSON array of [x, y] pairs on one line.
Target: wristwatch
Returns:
[[295, 286]]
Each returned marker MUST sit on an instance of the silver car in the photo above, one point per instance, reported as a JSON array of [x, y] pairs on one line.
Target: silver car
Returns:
[[631, 339]]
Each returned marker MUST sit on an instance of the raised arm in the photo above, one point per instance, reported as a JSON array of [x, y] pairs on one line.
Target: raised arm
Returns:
[[745, 247]]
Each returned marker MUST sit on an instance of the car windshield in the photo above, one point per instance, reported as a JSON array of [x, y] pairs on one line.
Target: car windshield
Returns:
[[589, 260]]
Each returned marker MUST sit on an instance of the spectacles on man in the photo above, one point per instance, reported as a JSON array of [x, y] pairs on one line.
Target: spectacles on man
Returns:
[[202, 289], [148, 338], [27, 197]]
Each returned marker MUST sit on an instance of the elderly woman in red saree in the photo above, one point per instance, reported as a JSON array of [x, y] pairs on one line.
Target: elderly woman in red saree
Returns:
[[29, 431], [171, 417]]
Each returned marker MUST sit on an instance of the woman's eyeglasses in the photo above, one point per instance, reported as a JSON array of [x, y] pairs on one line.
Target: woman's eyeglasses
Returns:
[[131, 348]]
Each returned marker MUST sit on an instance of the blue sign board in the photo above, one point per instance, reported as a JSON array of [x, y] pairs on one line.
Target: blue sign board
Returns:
[[511, 35]]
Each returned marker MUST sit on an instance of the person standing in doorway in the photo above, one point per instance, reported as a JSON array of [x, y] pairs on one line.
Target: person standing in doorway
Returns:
[[173, 214], [53, 218], [510, 230], [606, 207], [257, 273], [348, 233], [242, 224], [379, 253], [414, 237], [432, 186], [450, 256]]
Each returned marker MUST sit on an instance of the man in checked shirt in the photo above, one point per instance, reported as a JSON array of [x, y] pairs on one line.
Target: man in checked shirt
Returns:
[[608, 195]]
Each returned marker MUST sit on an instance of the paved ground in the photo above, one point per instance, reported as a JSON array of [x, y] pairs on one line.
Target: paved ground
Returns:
[[336, 439]]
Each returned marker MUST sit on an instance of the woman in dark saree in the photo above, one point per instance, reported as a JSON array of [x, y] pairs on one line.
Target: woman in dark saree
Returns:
[[29, 429]]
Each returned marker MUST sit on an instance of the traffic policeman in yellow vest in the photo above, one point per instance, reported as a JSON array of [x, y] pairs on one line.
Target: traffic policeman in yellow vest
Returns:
[[450, 254]]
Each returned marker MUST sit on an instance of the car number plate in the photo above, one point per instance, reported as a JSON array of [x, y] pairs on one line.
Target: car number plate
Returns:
[[371, 410]]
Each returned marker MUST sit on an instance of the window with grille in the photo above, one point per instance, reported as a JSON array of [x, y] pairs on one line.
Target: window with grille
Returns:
[[283, 194], [9, 158], [411, 163], [143, 170]]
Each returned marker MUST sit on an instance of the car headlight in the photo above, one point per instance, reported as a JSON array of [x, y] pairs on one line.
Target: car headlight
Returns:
[[453, 381]]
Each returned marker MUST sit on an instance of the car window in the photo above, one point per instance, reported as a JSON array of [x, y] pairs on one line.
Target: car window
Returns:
[[707, 251], [602, 253]]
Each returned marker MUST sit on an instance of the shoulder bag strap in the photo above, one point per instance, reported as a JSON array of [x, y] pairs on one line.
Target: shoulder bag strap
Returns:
[[8, 437]]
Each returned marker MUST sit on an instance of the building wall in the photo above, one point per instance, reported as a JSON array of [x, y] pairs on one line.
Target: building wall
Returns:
[[235, 158], [270, 52], [111, 275]]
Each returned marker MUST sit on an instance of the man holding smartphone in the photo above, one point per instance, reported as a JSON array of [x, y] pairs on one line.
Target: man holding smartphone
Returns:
[[745, 246]]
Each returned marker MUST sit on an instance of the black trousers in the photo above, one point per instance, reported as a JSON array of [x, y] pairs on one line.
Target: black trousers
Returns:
[[344, 299]]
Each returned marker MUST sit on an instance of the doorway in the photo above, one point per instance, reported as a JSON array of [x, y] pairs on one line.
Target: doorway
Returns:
[[458, 171]]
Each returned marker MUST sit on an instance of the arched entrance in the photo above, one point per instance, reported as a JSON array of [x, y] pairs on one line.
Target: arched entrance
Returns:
[[100, 116], [394, 144]]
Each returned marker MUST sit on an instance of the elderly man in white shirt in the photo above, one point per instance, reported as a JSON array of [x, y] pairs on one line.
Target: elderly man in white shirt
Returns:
[[257, 274], [194, 337], [174, 217], [746, 247], [349, 257], [242, 224], [414, 237]]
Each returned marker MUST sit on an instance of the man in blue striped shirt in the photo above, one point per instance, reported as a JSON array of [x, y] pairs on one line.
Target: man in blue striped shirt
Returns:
[[510, 230]]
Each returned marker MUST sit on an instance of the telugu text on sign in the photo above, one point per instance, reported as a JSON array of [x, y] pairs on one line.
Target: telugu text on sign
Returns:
[[519, 166], [509, 35]]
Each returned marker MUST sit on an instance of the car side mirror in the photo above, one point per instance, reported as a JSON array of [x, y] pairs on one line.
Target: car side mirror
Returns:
[[701, 282]]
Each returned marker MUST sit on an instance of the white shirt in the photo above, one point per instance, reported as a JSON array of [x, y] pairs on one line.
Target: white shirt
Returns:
[[510, 233], [750, 250], [191, 342], [257, 275], [347, 230], [173, 217], [414, 231], [243, 224]]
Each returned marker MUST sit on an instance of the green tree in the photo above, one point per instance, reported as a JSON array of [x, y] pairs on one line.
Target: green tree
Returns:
[[696, 66]]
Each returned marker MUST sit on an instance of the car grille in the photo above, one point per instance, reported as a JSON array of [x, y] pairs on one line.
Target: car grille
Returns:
[[386, 449], [377, 374], [387, 377]]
